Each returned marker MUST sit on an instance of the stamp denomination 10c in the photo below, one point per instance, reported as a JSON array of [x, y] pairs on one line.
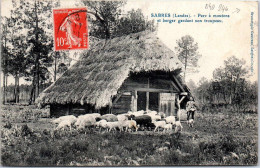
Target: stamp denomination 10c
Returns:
[[70, 28]]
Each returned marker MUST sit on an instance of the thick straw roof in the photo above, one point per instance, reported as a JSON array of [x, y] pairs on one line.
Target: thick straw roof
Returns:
[[100, 71]]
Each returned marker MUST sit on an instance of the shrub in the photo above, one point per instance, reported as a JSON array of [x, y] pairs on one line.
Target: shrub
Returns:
[[228, 144], [80, 145], [25, 130], [8, 125], [46, 151]]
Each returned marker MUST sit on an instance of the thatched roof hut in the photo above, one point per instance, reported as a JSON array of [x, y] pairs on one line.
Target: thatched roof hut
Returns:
[[101, 70]]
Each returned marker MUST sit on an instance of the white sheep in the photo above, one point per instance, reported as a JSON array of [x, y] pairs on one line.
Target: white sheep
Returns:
[[64, 123], [178, 126], [95, 115], [112, 125], [137, 113], [122, 117], [109, 117], [151, 112], [162, 114], [159, 124], [167, 127], [170, 120], [97, 124], [62, 118], [85, 121], [101, 124], [190, 122], [128, 125], [129, 113], [154, 117]]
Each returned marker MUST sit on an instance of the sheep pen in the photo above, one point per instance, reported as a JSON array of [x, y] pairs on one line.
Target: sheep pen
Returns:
[[29, 138]]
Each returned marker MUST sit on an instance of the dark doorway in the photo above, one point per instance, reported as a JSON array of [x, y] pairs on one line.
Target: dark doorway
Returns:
[[153, 101], [141, 101]]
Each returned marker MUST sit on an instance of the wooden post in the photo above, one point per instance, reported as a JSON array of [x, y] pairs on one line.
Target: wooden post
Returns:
[[134, 101], [159, 102], [68, 110], [179, 107], [147, 101], [178, 110], [51, 110], [55, 66], [178, 83], [109, 109], [175, 86], [147, 96], [172, 105], [4, 88], [6, 82]]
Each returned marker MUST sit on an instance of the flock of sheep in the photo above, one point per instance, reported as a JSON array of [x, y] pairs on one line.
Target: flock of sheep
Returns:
[[122, 122]]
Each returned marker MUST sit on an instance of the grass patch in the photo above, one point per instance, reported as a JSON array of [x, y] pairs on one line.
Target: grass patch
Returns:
[[211, 142]]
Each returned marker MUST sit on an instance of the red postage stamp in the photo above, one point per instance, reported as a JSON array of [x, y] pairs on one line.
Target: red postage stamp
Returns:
[[70, 28]]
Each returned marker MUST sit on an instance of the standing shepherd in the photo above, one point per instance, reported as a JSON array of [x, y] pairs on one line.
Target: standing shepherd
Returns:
[[190, 108]]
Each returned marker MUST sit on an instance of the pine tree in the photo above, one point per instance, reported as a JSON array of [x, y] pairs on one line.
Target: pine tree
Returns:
[[5, 46], [187, 51], [34, 19]]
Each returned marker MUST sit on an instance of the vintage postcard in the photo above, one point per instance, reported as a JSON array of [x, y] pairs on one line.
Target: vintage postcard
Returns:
[[129, 83]]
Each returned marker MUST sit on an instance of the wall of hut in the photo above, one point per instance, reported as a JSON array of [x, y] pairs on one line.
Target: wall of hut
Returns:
[[57, 110], [154, 91]]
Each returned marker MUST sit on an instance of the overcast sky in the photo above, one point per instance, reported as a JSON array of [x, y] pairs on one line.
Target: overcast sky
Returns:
[[216, 41]]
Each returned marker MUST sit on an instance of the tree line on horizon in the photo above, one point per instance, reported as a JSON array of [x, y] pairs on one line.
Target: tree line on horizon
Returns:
[[229, 87]]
